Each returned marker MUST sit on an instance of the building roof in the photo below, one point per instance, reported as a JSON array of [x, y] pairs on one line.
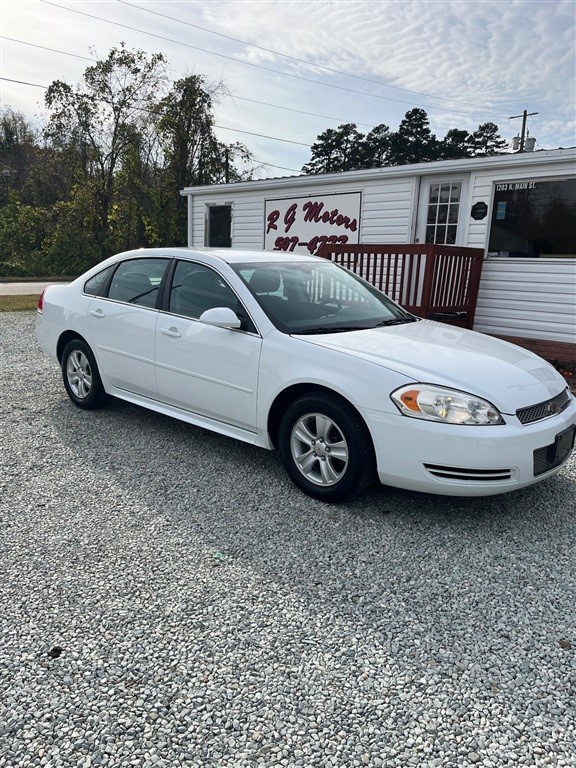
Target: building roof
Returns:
[[519, 159]]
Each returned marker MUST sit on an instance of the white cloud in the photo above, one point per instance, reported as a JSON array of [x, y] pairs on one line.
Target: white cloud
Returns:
[[498, 56]]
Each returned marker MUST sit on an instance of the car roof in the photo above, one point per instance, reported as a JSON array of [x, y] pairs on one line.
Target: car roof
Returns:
[[228, 255]]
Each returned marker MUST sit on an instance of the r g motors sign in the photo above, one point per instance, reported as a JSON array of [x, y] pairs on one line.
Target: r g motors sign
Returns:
[[305, 224]]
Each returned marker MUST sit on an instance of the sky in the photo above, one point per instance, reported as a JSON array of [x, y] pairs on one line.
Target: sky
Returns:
[[292, 69]]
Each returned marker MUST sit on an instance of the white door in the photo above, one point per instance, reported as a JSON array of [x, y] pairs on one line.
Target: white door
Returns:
[[122, 338], [203, 369], [122, 326], [206, 370], [440, 214]]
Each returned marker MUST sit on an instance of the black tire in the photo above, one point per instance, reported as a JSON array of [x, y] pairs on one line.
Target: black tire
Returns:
[[326, 448], [81, 377]]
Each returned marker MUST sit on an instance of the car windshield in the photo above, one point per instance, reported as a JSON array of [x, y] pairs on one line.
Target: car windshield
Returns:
[[318, 297]]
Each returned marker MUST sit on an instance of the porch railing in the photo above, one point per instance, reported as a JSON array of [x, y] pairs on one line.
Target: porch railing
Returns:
[[438, 282]]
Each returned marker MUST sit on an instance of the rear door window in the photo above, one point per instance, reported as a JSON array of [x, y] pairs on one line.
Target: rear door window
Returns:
[[138, 281]]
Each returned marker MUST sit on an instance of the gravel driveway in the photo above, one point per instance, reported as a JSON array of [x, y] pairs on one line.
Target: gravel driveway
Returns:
[[168, 598]]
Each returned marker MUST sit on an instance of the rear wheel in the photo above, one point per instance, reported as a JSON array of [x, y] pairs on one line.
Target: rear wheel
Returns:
[[81, 378], [326, 448]]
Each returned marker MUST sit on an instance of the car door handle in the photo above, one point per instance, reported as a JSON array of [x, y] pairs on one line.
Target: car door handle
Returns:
[[172, 332], [96, 312]]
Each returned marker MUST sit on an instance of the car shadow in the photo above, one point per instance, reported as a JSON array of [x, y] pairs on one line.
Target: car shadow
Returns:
[[240, 499], [428, 581]]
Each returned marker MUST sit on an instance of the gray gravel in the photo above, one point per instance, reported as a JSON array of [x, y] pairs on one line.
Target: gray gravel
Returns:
[[168, 598]]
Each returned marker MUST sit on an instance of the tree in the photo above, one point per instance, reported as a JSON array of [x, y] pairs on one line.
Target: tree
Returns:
[[346, 149], [22, 230], [413, 142], [186, 124], [192, 154], [376, 147], [107, 174], [17, 148], [337, 150], [486, 141], [104, 116], [455, 145]]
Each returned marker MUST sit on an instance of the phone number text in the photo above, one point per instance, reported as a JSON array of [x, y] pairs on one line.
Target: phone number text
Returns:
[[313, 245]]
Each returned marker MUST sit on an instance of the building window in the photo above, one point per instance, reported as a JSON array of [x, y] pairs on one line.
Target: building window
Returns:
[[219, 226], [534, 218], [443, 211]]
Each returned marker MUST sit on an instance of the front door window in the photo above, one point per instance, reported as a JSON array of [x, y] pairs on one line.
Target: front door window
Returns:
[[443, 212]]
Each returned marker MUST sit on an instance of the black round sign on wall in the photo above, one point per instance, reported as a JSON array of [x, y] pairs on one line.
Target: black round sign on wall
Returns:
[[479, 211]]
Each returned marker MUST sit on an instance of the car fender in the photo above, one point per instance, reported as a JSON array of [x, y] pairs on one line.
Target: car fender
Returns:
[[364, 384]]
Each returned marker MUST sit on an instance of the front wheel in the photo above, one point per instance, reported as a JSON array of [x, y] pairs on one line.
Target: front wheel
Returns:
[[326, 448], [81, 378]]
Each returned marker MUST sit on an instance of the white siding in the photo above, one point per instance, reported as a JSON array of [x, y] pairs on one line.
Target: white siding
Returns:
[[480, 192], [248, 222], [387, 212], [198, 221], [531, 298]]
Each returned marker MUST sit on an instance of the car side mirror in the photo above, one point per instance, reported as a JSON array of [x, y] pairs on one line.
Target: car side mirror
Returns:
[[221, 317]]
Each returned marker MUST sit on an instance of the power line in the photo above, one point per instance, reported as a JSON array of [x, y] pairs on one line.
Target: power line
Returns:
[[262, 136], [249, 63], [222, 127], [233, 96], [298, 60], [23, 82], [45, 48], [299, 111]]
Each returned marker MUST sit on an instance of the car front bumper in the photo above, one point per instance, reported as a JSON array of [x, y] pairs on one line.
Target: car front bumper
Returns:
[[457, 460]]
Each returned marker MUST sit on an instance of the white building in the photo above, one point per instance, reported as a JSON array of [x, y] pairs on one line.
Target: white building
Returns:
[[519, 208]]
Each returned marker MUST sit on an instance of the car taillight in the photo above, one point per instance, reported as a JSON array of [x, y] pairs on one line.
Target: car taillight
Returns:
[[40, 306]]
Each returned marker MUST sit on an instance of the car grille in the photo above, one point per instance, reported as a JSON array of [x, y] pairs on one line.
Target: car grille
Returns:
[[541, 462], [544, 410], [475, 475], [546, 459]]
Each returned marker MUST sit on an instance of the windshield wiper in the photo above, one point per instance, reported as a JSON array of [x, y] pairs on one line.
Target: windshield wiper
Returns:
[[397, 321], [330, 329]]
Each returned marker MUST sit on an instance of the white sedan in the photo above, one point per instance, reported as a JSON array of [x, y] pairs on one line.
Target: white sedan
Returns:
[[297, 354]]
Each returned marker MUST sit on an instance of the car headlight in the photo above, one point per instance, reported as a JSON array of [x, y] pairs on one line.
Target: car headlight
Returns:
[[435, 403]]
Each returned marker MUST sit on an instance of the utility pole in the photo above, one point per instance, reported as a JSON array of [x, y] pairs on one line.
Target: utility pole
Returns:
[[524, 116]]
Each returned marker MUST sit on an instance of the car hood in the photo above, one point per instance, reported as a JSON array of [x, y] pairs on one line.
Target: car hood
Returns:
[[508, 376]]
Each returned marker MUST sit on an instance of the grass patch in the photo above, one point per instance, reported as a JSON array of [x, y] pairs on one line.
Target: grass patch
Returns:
[[18, 303]]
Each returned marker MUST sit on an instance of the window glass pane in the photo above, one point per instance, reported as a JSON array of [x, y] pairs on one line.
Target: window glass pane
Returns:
[[440, 235], [445, 193], [534, 219], [434, 192], [219, 226], [92, 286], [432, 210], [430, 232], [455, 192], [451, 235], [138, 281], [196, 288], [442, 214], [453, 214]]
